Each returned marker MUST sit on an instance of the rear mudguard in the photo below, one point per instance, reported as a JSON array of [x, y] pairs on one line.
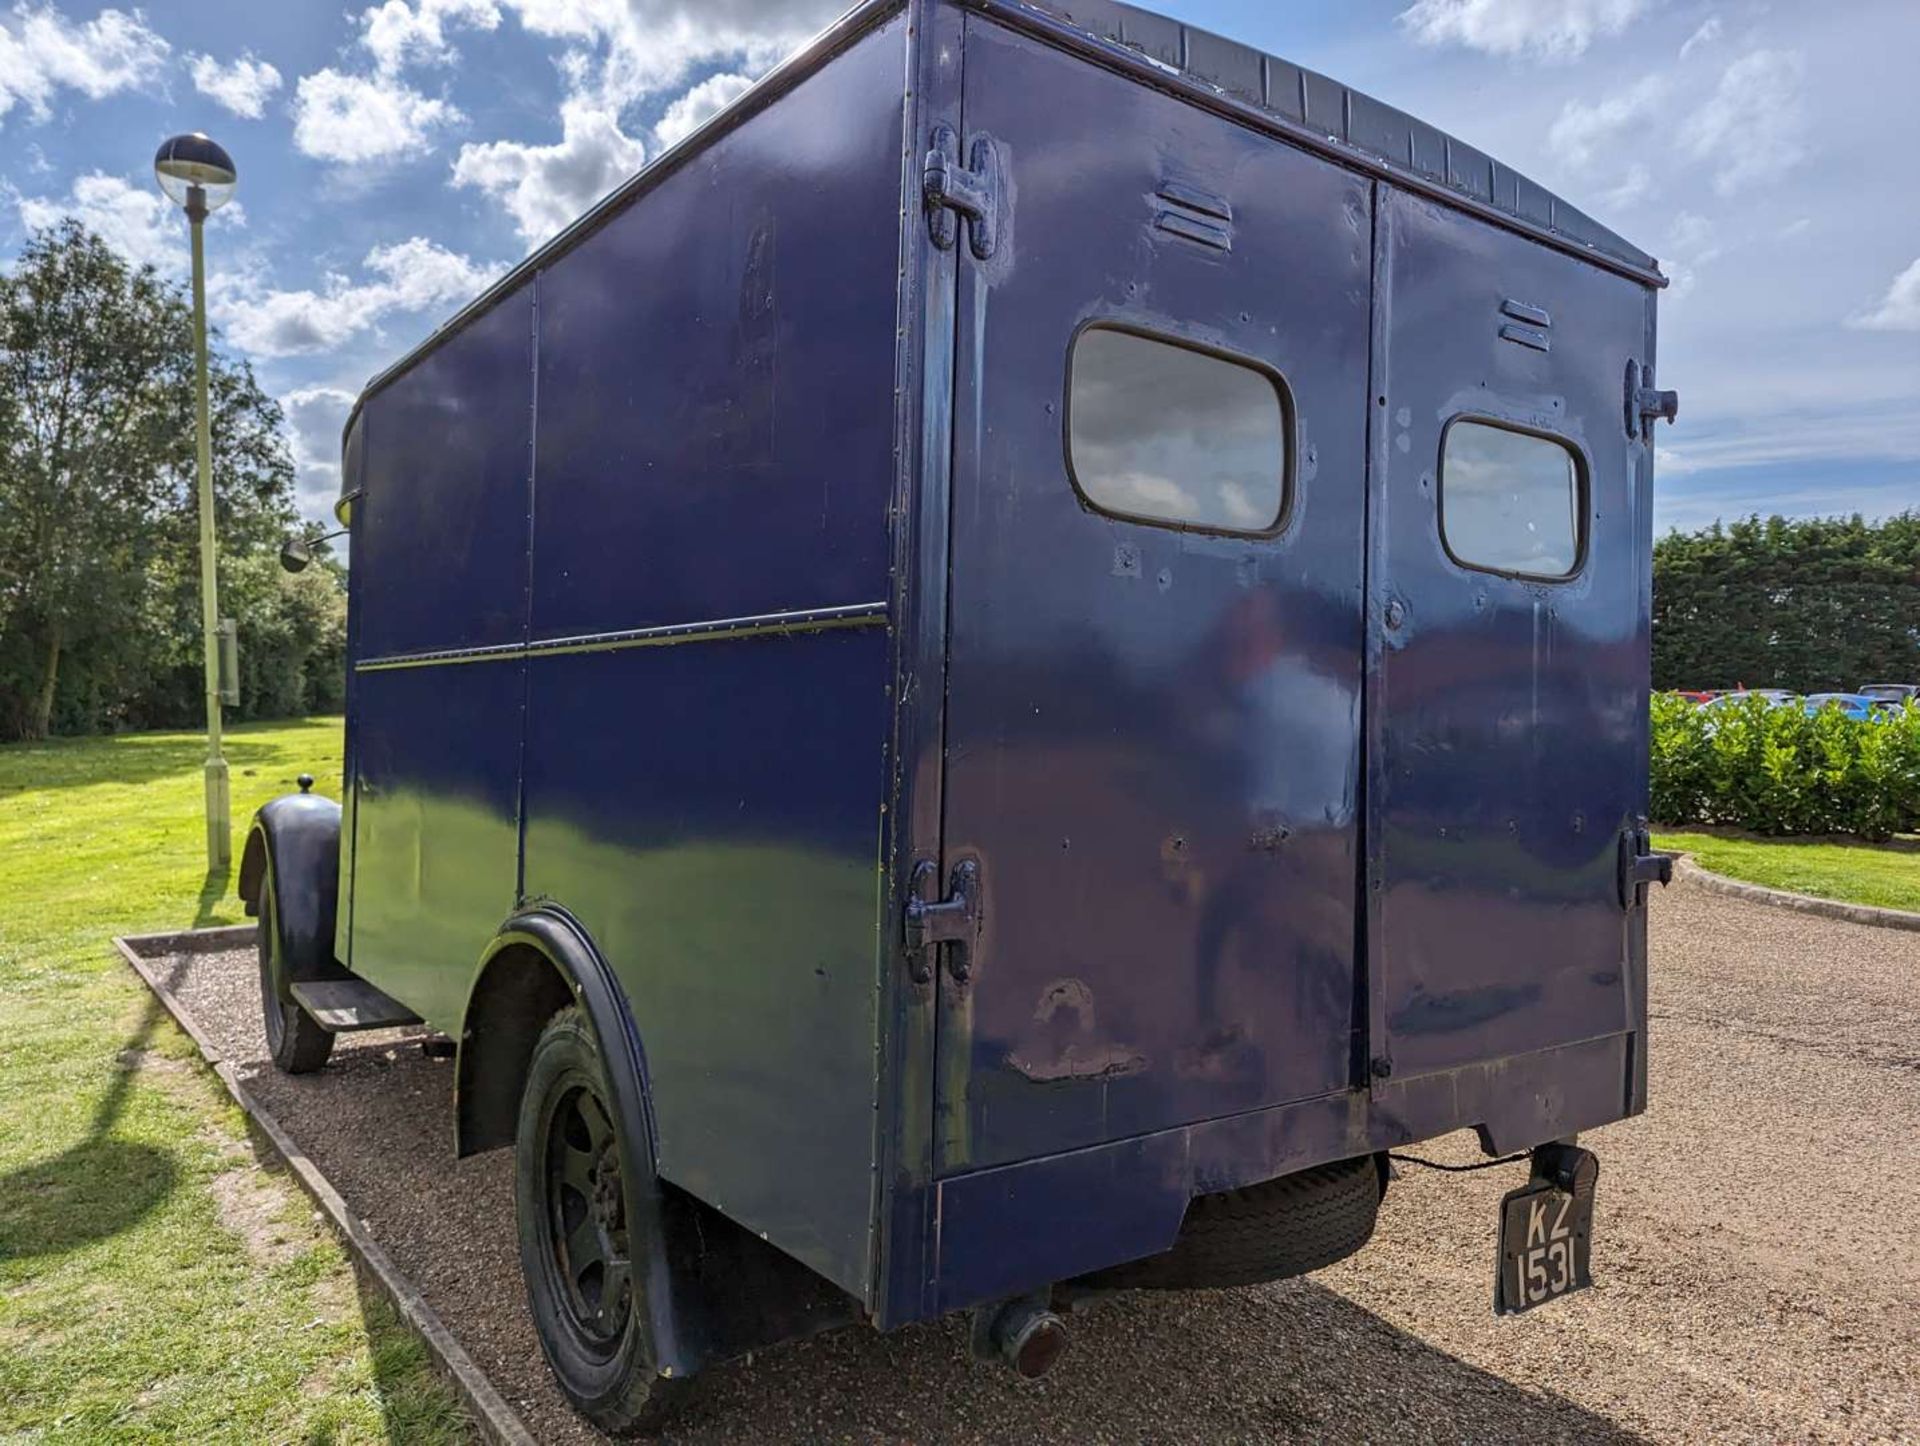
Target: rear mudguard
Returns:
[[295, 839], [714, 1290]]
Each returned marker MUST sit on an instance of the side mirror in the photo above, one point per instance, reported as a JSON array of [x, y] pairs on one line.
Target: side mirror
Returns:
[[296, 553]]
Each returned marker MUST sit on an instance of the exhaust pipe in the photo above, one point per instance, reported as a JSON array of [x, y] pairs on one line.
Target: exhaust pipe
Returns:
[[1024, 1333]]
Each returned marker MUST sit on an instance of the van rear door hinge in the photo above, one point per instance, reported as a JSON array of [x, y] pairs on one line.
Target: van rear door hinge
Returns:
[[1647, 404], [954, 920], [952, 190]]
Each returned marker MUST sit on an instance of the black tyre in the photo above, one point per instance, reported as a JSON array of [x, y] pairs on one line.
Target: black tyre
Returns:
[[296, 1044], [583, 1249], [1289, 1226]]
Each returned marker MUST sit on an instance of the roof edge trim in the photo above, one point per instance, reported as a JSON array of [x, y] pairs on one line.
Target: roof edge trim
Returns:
[[1321, 115]]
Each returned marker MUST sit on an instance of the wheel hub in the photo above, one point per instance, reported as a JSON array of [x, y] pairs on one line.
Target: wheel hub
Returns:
[[605, 1200], [588, 1215]]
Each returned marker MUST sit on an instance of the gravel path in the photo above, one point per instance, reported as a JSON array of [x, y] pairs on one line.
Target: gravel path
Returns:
[[1757, 1272]]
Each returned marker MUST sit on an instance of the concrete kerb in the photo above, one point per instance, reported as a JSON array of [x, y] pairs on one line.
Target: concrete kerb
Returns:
[[1866, 914], [496, 1420]]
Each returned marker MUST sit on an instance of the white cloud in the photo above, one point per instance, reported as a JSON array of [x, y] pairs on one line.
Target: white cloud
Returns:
[[699, 105], [129, 215], [1554, 29], [1583, 134], [545, 187], [407, 277], [1750, 128], [1674, 464], [42, 51], [1635, 186], [1692, 243], [242, 86], [398, 32], [357, 118], [315, 416], [1708, 32], [1899, 309], [618, 52], [645, 46]]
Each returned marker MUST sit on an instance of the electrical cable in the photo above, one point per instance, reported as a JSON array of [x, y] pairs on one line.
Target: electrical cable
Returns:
[[1457, 1169]]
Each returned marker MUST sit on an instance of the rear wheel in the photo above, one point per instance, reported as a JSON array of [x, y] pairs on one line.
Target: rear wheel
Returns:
[[584, 1246], [1289, 1226], [296, 1044]]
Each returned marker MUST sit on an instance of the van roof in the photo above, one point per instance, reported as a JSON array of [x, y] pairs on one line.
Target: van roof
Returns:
[[1334, 112], [1320, 113]]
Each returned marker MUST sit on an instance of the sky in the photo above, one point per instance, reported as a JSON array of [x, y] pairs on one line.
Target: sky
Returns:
[[395, 157]]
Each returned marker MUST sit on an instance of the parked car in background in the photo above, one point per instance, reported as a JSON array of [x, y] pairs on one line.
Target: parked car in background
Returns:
[[1696, 696], [1894, 693], [1773, 697], [1857, 706]]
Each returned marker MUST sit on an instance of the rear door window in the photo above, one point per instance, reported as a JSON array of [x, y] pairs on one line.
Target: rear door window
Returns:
[[1161, 432], [1511, 501]]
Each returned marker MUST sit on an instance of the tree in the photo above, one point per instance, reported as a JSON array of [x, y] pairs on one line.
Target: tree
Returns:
[[98, 537], [1814, 605]]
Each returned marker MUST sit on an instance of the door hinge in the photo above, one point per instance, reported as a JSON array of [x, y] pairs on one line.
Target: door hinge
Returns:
[[1640, 866], [953, 190], [1647, 404], [953, 921]]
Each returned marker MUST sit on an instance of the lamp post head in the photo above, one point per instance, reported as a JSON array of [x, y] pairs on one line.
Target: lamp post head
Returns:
[[196, 173]]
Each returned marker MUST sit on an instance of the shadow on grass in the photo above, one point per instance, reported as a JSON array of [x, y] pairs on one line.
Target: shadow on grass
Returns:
[[129, 759], [418, 1406], [95, 1188], [102, 1185], [213, 893]]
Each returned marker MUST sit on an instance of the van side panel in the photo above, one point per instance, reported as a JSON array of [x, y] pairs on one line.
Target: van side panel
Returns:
[[440, 563], [707, 685]]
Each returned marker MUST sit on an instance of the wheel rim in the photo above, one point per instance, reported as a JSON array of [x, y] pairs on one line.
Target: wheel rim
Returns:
[[267, 946], [586, 1215]]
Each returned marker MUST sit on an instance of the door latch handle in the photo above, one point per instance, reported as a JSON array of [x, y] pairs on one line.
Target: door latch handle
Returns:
[[1652, 869], [1640, 866]]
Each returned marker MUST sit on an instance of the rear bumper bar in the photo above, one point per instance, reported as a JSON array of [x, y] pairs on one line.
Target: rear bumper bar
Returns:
[[1017, 1228]]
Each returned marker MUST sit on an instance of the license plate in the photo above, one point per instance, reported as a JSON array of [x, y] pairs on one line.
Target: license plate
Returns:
[[1546, 1245]]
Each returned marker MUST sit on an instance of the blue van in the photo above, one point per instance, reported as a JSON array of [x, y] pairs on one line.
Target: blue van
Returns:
[[988, 683]]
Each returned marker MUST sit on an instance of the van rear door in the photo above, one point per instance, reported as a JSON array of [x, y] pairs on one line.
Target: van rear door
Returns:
[[1156, 615], [1507, 733]]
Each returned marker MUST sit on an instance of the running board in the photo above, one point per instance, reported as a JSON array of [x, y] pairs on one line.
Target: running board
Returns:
[[344, 1005]]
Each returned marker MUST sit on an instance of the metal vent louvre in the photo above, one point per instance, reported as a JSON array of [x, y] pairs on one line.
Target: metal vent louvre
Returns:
[[1333, 110]]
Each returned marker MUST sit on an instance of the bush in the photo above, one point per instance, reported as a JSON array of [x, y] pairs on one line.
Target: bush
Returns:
[[1781, 771]]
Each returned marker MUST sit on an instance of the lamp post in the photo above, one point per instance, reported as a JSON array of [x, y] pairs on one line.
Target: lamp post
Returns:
[[197, 174]]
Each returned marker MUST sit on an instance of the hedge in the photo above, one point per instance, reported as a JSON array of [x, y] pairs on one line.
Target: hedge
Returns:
[[1784, 771]]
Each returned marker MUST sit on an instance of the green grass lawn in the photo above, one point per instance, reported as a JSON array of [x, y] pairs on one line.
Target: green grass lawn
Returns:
[[1887, 875], [156, 1282]]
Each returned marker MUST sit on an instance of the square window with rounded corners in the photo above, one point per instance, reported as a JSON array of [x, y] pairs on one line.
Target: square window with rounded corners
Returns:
[[1511, 502], [1162, 432]]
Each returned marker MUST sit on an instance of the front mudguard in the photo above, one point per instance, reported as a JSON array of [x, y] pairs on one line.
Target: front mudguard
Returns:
[[295, 841]]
